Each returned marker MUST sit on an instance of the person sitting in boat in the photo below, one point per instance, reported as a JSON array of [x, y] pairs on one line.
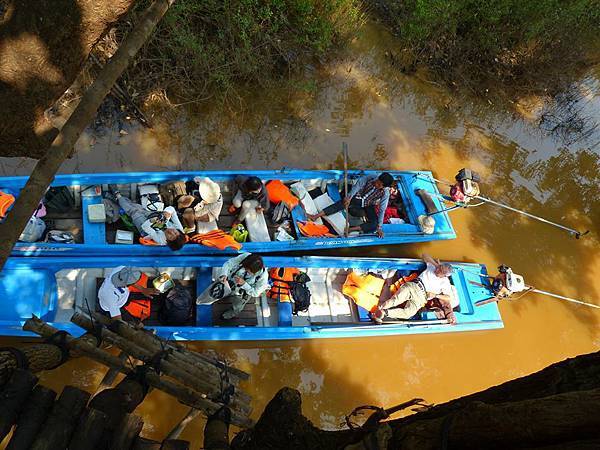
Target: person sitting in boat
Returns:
[[366, 194], [248, 279], [431, 289], [161, 227], [199, 213], [251, 193], [114, 294]]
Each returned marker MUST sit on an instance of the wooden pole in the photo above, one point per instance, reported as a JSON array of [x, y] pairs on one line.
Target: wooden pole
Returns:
[[345, 155], [184, 394], [141, 443], [89, 431], [12, 398], [155, 344], [126, 432], [36, 357], [37, 407], [216, 431], [183, 423], [175, 444], [62, 146], [200, 381], [111, 375], [60, 424]]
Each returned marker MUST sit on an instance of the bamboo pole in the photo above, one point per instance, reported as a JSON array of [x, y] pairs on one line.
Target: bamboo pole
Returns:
[[37, 407], [44, 171], [184, 394], [205, 384]]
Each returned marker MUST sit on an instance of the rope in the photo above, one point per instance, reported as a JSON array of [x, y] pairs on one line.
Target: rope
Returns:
[[59, 339], [96, 326], [20, 358]]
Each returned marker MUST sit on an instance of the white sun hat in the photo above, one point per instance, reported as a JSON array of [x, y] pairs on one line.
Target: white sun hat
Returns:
[[208, 189]]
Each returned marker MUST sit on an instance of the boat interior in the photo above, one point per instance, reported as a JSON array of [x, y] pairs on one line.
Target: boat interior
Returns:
[[77, 290], [321, 192]]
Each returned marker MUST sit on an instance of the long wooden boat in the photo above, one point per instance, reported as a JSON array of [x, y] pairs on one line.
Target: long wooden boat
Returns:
[[98, 238], [54, 287]]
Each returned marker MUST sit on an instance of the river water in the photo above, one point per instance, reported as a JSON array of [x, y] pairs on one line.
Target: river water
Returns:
[[402, 122]]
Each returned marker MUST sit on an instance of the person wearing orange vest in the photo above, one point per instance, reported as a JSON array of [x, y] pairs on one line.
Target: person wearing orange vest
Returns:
[[113, 295]]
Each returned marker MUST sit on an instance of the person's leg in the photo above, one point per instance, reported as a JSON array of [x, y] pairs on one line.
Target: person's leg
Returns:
[[371, 224], [237, 199], [137, 212], [237, 305], [414, 299]]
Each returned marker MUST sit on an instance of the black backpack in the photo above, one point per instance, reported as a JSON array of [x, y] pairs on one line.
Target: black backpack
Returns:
[[59, 199], [177, 309], [300, 293]]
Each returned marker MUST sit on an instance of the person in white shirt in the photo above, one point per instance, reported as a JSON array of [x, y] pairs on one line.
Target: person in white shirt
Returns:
[[200, 213], [164, 227], [114, 291], [432, 283], [248, 279]]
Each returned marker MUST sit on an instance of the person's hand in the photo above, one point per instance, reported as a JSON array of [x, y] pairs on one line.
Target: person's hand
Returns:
[[166, 215], [259, 209], [223, 278], [150, 292], [380, 232], [346, 202], [204, 218], [451, 319], [239, 281]]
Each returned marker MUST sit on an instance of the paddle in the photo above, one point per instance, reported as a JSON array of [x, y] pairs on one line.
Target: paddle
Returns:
[[345, 156]]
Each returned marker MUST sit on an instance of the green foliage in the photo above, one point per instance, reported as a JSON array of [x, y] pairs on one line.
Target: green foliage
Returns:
[[503, 38], [208, 46]]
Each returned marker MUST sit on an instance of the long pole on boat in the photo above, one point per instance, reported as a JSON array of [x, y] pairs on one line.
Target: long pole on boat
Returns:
[[576, 233], [345, 156], [562, 297]]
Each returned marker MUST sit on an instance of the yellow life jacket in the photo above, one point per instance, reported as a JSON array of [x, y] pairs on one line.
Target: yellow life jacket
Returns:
[[281, 277], [6, 201], [279, 192]]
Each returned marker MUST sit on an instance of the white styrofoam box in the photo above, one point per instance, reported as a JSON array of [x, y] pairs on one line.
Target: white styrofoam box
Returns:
[[124, 237], [96, 213]]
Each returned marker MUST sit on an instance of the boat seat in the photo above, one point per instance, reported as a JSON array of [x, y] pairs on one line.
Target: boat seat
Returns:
[[247, 316], [93, 233]]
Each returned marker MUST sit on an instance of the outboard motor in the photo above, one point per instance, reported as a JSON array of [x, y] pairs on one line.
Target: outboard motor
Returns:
[[507, 282], [466, 186]]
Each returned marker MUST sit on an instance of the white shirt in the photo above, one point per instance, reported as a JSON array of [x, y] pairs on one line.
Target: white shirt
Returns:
[[158, 236], [110, 297], [433, 283]]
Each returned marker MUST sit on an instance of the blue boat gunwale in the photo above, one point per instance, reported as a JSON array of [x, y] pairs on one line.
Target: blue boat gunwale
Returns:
[[488, 315], [394, 234]]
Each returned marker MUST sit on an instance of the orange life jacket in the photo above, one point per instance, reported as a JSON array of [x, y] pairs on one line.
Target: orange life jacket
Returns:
[[365, 290], [279, 192], [217, 239], [6, 201], [139, 308], [147, 241], [313, 229], [281, 277]]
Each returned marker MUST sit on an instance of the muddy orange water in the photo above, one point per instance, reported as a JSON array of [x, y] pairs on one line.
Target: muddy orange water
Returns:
[[394, 121]]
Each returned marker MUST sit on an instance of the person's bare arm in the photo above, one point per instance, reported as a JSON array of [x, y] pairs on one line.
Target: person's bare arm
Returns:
[[441, 297], [428, 259]]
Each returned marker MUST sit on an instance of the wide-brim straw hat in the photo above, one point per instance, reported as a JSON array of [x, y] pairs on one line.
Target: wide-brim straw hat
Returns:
[[209, 190]]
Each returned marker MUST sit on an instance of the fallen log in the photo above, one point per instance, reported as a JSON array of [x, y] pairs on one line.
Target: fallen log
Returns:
[[216, 431], [89, 431], [141, 443], [119, 401], [35, 411], [12, 398], [35, 357], [64, 416]]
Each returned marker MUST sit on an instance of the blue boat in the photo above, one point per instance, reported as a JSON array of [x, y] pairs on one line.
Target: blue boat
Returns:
[[52, 288], [93, 238]]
